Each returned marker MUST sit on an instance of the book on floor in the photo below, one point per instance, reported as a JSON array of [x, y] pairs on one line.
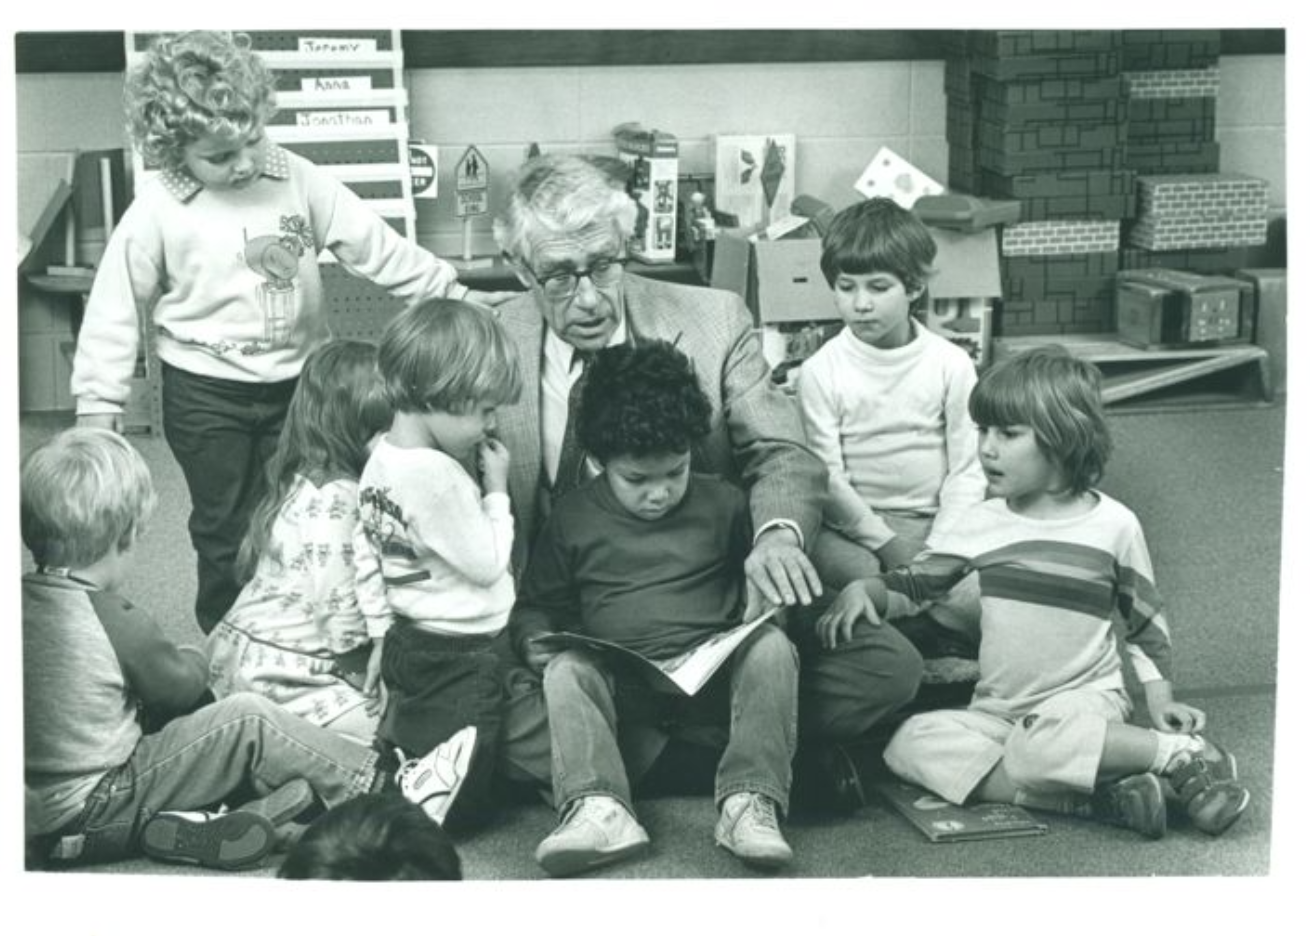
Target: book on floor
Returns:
[[941, 821], [686, 673]]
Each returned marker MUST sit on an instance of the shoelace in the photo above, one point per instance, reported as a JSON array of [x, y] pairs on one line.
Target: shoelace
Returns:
[[763, 812]]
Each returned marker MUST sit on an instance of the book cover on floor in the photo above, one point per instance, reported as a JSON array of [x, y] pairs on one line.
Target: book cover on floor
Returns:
[[686, 673], [941, 821]]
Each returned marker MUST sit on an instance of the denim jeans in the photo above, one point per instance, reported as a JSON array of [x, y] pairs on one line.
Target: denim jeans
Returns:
[[241, 747], [222, 433], [437, 685], [591, 710]]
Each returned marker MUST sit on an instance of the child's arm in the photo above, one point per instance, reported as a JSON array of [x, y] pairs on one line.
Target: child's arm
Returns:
[[126, 286], [470, 531], [845, 511], [1147, 639], [892, 594], [160, 673], [372, 249], [965, 484]]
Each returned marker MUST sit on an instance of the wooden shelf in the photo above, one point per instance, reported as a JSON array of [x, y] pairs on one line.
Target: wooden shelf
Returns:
[[1130, 373]]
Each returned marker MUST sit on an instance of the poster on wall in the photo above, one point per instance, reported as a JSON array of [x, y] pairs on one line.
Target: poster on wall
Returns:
[[755, 177]]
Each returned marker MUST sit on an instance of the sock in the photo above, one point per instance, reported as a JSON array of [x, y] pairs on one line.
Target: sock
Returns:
[[1168, 746], [1067, 804]]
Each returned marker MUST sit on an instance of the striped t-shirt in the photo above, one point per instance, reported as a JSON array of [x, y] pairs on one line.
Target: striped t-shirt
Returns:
[[1051, 591]]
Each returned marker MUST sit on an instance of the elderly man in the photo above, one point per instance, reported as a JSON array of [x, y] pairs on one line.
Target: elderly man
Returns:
[[564, 230]]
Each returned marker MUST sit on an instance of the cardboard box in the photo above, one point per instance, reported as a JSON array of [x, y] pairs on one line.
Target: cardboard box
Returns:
[[653, 156], [781, 280], [1160, 308]]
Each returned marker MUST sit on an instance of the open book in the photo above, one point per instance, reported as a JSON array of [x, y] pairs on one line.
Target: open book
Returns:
[[945, 822], [686, 673]]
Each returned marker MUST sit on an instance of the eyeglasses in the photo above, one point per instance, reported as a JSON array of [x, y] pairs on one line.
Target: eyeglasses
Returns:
[[603, 274]]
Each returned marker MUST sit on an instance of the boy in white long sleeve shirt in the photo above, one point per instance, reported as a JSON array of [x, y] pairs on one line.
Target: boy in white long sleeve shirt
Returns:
[[885, 405], [444, 542]]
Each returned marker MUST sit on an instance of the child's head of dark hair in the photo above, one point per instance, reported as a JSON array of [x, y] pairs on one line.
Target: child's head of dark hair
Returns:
[[1059, 396], [445, 355], [374, 837], [83, 494], [192, 84], [642, 400], [879, 236]]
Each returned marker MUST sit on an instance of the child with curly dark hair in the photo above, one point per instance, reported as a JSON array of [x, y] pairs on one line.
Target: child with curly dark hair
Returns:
[[649, 555]]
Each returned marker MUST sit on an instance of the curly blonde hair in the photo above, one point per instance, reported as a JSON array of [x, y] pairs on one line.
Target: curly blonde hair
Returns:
[[192, 84]]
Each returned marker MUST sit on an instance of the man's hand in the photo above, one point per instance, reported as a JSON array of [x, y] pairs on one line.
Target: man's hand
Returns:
[[112, 421], [779, 573], [837, 624]]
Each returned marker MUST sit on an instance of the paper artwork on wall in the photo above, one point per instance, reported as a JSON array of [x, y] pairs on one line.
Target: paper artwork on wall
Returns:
[[755, 177]]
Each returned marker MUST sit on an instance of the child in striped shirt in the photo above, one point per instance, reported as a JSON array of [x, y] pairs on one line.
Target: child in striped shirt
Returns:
[[1057, 561]]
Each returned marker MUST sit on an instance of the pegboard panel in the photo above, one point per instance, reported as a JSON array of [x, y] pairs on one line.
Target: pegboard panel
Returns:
[[356, 307]]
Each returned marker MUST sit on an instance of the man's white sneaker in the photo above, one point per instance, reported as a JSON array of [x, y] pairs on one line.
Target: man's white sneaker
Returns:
[[596, 831], [434, 780], [748, 827]]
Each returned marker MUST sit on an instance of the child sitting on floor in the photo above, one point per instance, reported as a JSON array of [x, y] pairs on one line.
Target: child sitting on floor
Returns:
[[97, 787], [1057, 560], [297, 632], [443, 541], [885, 405], [649, 556]]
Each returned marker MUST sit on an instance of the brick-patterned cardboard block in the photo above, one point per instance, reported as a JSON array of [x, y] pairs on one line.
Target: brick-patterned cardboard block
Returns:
[[1156, 233], [1089, 196], [1080, 276], [1171, 156], [963, 84], [1200, 260], [1018, 43], [1076, 111], [1156, 49], [1051, 137], [1055, 316], [1154, 120], [1203, 195], [1175, 83], [1035, 238], [1006, 162], [1028, 67]]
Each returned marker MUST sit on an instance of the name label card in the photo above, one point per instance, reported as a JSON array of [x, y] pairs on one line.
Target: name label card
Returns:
[[336, 46], [359, 118], [338, 83]]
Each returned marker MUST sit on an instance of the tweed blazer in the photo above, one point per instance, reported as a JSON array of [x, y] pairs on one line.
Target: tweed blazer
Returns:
[[756, 439]]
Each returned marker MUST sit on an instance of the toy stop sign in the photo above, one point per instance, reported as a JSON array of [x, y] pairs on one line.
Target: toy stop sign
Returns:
[[423, 170], [471, 184]]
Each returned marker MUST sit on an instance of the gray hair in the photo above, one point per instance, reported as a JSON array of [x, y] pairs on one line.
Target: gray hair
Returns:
[[558, 194]]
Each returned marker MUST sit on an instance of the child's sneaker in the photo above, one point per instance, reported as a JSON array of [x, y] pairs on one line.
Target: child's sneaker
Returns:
[[226, 841], [433, 780], [1206, 784], [748, 827], [281, 808], [596, 831], [1135, 802]]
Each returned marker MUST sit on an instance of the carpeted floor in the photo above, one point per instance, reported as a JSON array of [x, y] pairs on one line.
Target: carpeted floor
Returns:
[[1207, 484]]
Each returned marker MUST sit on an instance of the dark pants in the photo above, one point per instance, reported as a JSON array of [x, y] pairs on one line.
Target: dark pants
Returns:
[[223, 434], [437, 685]]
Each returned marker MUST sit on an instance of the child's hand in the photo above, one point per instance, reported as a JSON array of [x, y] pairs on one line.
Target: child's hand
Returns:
[[836, 625], [374, 688], [1179, 718], [896, 552], [493, 462], [489, 298], [111, 421], [535, 656]]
